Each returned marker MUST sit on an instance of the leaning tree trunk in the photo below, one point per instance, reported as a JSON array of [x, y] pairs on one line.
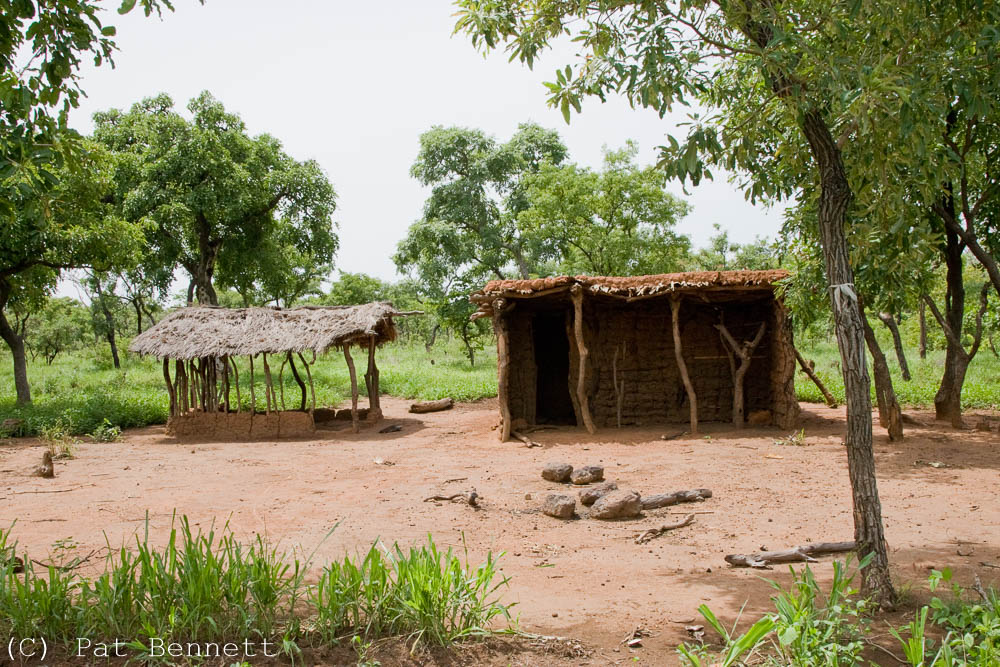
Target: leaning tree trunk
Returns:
[[15, 342], [922, 349], [897, 342], [109, 322], [889, 413], [835, 197]]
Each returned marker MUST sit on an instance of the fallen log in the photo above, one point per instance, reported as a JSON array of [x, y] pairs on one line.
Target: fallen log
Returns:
[[802, 554], [653, 533], [659, 500], [528, 442], [432, 406]]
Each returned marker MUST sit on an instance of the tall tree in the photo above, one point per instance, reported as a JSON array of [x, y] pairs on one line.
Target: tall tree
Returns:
[[219, 199], [616, 221], [658, 54]]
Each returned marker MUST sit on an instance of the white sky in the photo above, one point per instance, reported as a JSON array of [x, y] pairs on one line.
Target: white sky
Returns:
[[354, 84]]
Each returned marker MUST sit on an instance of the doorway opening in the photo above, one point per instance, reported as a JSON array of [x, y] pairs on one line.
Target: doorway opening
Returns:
[[553, 404]]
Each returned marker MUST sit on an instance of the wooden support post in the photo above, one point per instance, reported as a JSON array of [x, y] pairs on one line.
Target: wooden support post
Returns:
[[576, 293], [675, 311], [298, 380], [253, 397], [170, 387], [225, 384], [193, 384], [354, 389], [744, 352], [371, 382], [808, 370], [574, 364], [619, 387], [268, 387], [503, 368], [236, 377], [281, 379], [312, 388], [182, 388]]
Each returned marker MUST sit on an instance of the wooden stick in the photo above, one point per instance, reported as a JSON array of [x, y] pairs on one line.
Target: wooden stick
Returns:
[[268, 387], [281, 379], [523, 438], [469, 498], [653, 533], [371, 380], [253, 397], [182, 391], [298, 380], [808, 370], [675, 310], [503, 368], [576, 293], [432, 406], [312, 388], [236, 376], [574, 362], [170, 387], [225, 380], [802, 554], [354, 389]]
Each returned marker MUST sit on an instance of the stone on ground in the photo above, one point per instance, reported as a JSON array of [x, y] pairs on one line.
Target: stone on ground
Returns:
[[557, 472], [559, 506], [587, 475], [590, 496], [617, 505]]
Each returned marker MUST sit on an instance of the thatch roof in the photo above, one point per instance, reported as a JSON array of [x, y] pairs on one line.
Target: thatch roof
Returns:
[[205, 331], [629, 287]]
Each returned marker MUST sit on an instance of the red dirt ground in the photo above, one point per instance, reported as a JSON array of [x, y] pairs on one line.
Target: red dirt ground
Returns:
[[583, 579]]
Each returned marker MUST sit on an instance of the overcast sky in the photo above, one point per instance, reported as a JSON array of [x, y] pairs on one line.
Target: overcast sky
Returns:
[[354, 84]]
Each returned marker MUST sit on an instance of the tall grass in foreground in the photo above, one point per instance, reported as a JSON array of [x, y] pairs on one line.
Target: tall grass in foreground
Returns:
[[208, 587]]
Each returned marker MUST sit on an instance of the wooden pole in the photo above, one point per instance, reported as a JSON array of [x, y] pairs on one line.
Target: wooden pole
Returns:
[[312, 388], [503, 368], [675, 311], [253, 397], [354, 389], [576, 293], [182, 390], [744, 352], [619, 388], [225, 383], [281, 379], [236, 376], [170, 387], [268, 387], [298, 379], [808, 370], [371, 380]]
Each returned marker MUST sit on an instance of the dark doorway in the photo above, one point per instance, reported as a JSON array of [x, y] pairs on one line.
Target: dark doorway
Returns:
[[553, 404]]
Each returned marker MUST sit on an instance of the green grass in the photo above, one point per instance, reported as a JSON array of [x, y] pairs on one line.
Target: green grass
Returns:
[[208, 587], [79, 391], [981, 389], [82, 394]]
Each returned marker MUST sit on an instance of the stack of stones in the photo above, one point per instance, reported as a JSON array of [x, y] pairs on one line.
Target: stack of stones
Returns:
[[605, 499]]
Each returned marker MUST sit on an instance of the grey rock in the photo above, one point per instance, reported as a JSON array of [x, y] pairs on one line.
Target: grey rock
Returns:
[[587, 475], [617, 505], [559, 506], [590, 496], [557, 472]]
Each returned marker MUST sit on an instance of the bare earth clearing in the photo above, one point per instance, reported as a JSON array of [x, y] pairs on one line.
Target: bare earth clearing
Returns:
[[584, 579]]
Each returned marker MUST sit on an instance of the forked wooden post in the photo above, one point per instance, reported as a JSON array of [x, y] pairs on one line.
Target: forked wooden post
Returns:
[[503, 367], [354, 388], [576, 293], [675, 311], [744, 352]]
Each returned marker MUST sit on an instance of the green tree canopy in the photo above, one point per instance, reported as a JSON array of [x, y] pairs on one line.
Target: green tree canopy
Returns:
[[220, 201]]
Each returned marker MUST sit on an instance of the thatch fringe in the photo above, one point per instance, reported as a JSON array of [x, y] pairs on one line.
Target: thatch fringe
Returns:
[[203, 331]]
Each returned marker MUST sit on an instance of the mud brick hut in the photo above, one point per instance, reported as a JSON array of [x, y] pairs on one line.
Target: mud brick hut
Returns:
[[199, 346], [615, 351]]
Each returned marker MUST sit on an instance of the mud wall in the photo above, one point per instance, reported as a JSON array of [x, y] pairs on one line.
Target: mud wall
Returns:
[[653, 390], [236, 426]]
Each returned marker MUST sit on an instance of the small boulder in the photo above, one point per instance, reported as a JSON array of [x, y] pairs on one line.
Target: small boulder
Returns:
[[617, 505], [587, 475], [557, 472], [559, 506], [590, 496]]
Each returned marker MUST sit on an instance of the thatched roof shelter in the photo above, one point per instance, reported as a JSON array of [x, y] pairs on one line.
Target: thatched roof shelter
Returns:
[[206, 331], [205, 342], [613, 350]]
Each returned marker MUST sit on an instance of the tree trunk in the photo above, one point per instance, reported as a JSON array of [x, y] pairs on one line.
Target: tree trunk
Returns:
[[15, 342], [835, 197], [922, 349], [430, 342], [948, 400], [468, 345], [298, 380], [109, 322], [889, 413], [675, 316], [897, 342], [138, 316]]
